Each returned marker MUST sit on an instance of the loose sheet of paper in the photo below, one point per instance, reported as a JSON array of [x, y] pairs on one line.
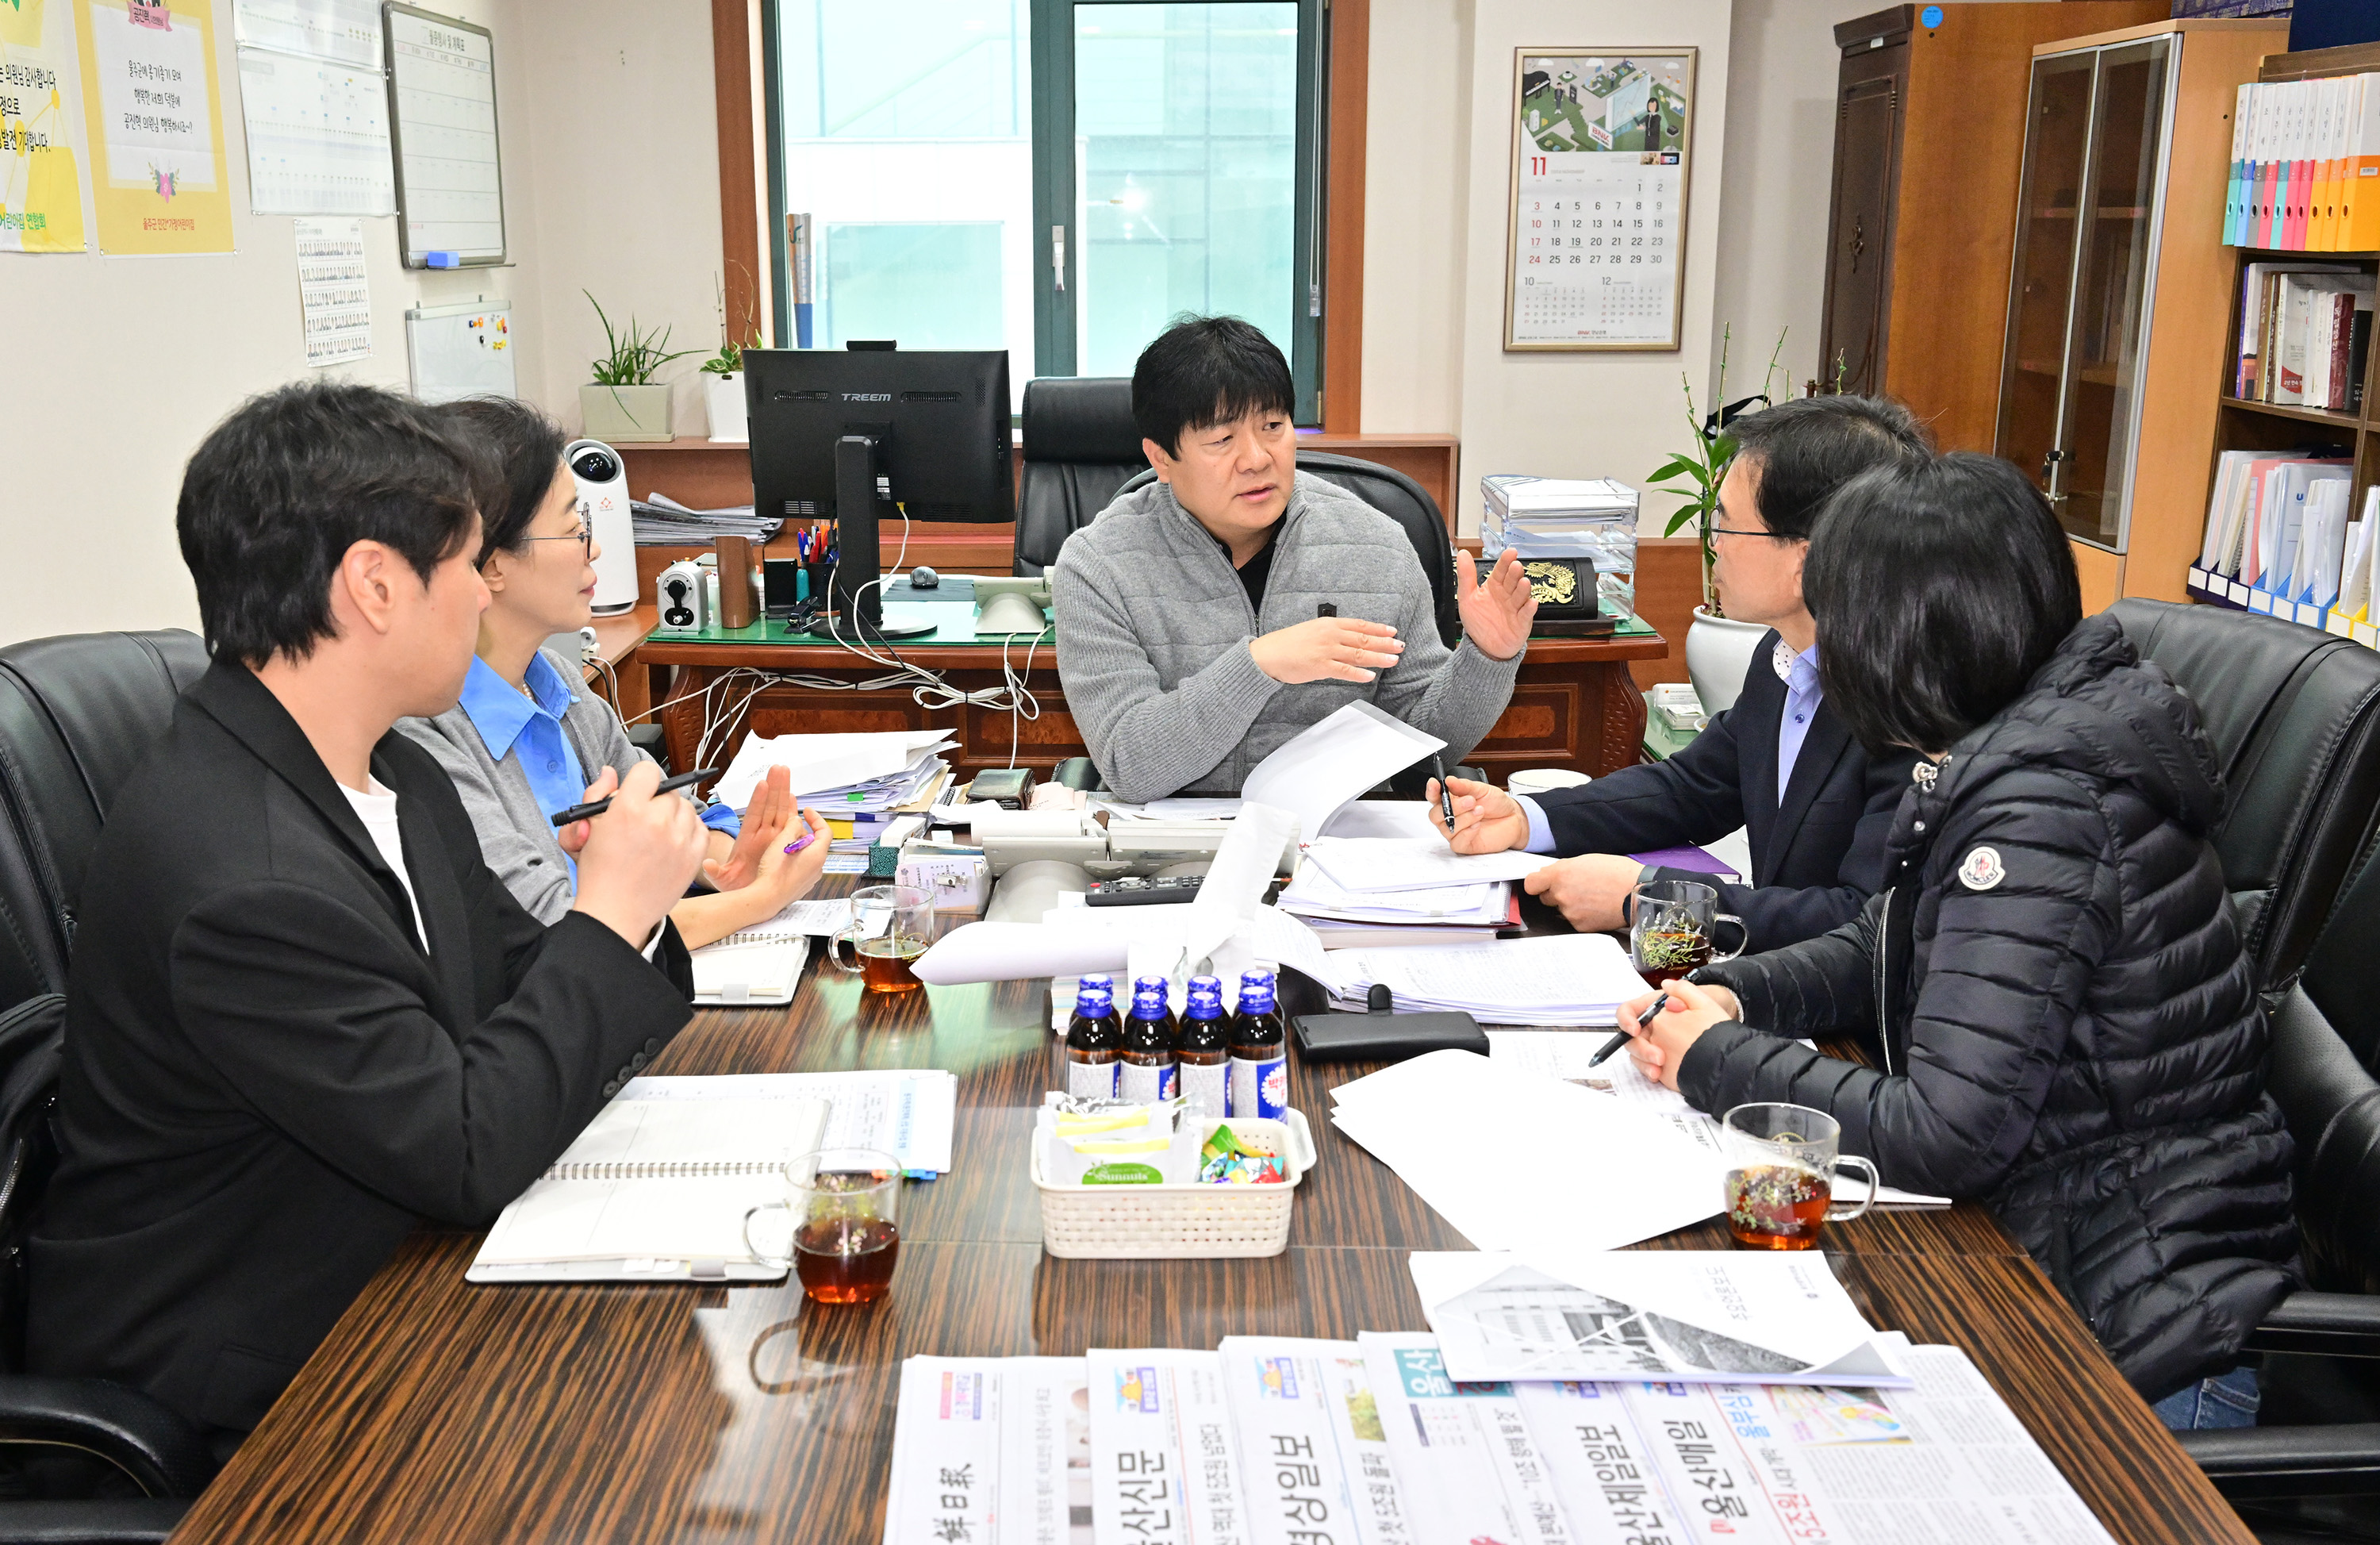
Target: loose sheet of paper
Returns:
[[1565, 1054], [1563, 979], [1335, 760], [907, 1112], [1706, 1316]]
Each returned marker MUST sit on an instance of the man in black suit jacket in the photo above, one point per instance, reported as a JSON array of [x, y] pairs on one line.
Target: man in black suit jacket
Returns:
[[302, 1016], [1814, 803]]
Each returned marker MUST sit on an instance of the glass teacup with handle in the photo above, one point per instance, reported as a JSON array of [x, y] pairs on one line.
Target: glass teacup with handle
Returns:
[[1670, 928], [890, 926], [1780, 1175], [846, 1229]]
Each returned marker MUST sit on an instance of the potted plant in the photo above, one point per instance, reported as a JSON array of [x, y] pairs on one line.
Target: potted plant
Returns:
[[624, 402], [723, 378], [1719, 648]]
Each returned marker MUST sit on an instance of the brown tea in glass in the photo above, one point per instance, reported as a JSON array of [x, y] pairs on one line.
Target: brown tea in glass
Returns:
[[1669, 924], [884, 963], [1777, 1206], [846, 1260], [1781, 1177]]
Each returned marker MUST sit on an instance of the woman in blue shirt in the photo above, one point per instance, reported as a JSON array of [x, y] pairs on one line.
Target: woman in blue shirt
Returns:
[[527, 739]]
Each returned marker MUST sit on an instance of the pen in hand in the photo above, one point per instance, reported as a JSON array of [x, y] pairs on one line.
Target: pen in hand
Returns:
[[1617, 1042], [597, 806], [1445, 795]]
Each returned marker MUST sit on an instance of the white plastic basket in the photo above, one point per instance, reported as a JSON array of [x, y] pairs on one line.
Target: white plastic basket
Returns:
[[1198, 1219]]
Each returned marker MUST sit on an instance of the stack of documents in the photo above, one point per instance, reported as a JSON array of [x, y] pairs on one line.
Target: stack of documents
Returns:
[[1624, 1175], [1565, 979], [842, 777], [1443, 914], [1558, 518], [1335, 761], [1273, 1439], [661, 521]]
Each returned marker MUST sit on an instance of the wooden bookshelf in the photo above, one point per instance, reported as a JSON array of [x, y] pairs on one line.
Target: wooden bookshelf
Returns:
[[2241, 425]]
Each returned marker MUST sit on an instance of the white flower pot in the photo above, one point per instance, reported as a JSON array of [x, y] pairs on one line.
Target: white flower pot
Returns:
[[613, 414], [1718, 653], [723, 404]]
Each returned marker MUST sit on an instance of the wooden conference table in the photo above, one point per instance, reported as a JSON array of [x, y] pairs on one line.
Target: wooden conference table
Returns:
[[438, 1411]]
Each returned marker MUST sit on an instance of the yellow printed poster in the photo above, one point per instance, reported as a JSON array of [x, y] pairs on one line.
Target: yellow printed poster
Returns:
[[41, 173], [155, 117]]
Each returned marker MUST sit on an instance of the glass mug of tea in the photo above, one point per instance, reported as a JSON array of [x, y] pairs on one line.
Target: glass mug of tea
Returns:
[[890, 926], [1669, 927], [1780, 1175], [846, 1203]]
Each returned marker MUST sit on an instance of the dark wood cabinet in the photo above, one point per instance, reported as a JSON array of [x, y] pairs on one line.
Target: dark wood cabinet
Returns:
[[1929, 137]]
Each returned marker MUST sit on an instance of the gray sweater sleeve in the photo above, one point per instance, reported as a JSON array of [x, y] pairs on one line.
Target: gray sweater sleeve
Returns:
[[1147, 743], [1456, 695], [528, 860]]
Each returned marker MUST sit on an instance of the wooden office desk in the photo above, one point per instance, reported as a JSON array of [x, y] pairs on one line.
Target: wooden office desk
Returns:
[[1574, 704], [440, 1411]]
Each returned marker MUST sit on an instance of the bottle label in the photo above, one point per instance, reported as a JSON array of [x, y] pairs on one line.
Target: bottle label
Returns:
[[1091, 1080], [1147, 1086], [1204, 1086], [1259, 1088]]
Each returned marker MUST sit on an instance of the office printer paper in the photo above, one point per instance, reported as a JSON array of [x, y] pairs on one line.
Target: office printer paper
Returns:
[[821, 763], [1313, 1457], [1335, 761], [1468, 1464], [1694, 1316], [994, 1451], [1162, 1466]]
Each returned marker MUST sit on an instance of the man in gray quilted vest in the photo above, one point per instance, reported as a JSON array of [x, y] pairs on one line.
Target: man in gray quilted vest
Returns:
[[1191, 636]]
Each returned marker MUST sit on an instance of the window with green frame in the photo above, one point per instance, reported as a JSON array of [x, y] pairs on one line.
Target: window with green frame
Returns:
[[1058, 177]]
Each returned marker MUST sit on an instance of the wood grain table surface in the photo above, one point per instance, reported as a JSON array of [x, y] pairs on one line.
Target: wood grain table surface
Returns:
[[439, 1411]]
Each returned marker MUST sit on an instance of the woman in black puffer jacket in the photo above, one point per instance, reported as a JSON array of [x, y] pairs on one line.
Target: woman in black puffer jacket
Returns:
[[2069, 1028]]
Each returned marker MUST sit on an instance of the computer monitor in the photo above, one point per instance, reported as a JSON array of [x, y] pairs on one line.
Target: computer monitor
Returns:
[[927, 430]]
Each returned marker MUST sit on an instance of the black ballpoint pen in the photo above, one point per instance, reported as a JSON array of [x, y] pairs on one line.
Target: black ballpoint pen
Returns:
[[1617, 1042], [1445, 795], [597, 806]]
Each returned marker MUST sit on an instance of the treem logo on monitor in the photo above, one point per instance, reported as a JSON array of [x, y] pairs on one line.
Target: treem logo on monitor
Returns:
[[867, 397]]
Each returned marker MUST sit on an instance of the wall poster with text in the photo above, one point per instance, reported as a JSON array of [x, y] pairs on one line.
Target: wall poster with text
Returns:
[[156, 114], [41, 163], [1601, 147]]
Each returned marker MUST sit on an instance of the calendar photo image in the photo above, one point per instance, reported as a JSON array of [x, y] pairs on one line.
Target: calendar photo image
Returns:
[[1601, 147]]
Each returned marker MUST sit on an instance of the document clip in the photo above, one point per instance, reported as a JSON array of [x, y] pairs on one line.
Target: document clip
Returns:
[[1380, 1034]]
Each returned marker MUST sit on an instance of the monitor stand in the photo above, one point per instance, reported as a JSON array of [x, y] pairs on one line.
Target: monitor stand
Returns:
[[852, 593]]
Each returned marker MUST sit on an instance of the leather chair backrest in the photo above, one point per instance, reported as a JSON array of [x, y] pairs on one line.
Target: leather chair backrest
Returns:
[[76, 715], [1401, 499], [2294, 718], [1081, 444], [32, 1034], [2326, 1051]]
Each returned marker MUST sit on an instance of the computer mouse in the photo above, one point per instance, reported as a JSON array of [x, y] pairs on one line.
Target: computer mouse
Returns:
[[924, 578]]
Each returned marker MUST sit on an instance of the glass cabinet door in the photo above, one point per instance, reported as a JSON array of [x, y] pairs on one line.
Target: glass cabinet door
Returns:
[[2111, 296], [2033, 365], [2078, 309]]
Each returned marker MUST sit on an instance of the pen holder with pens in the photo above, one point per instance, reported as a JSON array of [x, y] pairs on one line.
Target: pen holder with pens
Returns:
[[1194, 1220]]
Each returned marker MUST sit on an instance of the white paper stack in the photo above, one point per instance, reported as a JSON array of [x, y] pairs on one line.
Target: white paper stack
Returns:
[[1446, 914], [1558, 518], [661, 521], [1561, 980], [840, 775]]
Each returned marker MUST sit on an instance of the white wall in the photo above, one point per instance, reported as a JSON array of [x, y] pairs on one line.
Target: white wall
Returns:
[[1436, 222], [116, 367]]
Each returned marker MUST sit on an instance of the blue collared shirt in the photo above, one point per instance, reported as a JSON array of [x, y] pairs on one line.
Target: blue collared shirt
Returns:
[[509, 721], [1799, 674]]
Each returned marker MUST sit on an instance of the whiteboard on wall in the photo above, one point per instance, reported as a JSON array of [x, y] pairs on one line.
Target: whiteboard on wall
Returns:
[[442, 106], [464, 350]]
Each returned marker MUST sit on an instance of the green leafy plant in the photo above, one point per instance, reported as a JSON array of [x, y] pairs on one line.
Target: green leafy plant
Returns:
[[630, 358], [730, 357], [1705, 466]]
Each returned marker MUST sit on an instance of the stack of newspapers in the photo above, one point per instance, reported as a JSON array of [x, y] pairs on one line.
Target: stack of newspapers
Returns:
[[661, 521], [1695, 1397]]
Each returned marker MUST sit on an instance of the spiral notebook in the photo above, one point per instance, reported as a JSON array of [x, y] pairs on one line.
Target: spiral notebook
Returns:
[[655, 1191]]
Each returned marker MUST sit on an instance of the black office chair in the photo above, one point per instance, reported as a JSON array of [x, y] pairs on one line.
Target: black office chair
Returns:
[[1080, 446], [2318, 1435], [81, 1460], [77, 714], [2294, 715], [1401, 499]]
